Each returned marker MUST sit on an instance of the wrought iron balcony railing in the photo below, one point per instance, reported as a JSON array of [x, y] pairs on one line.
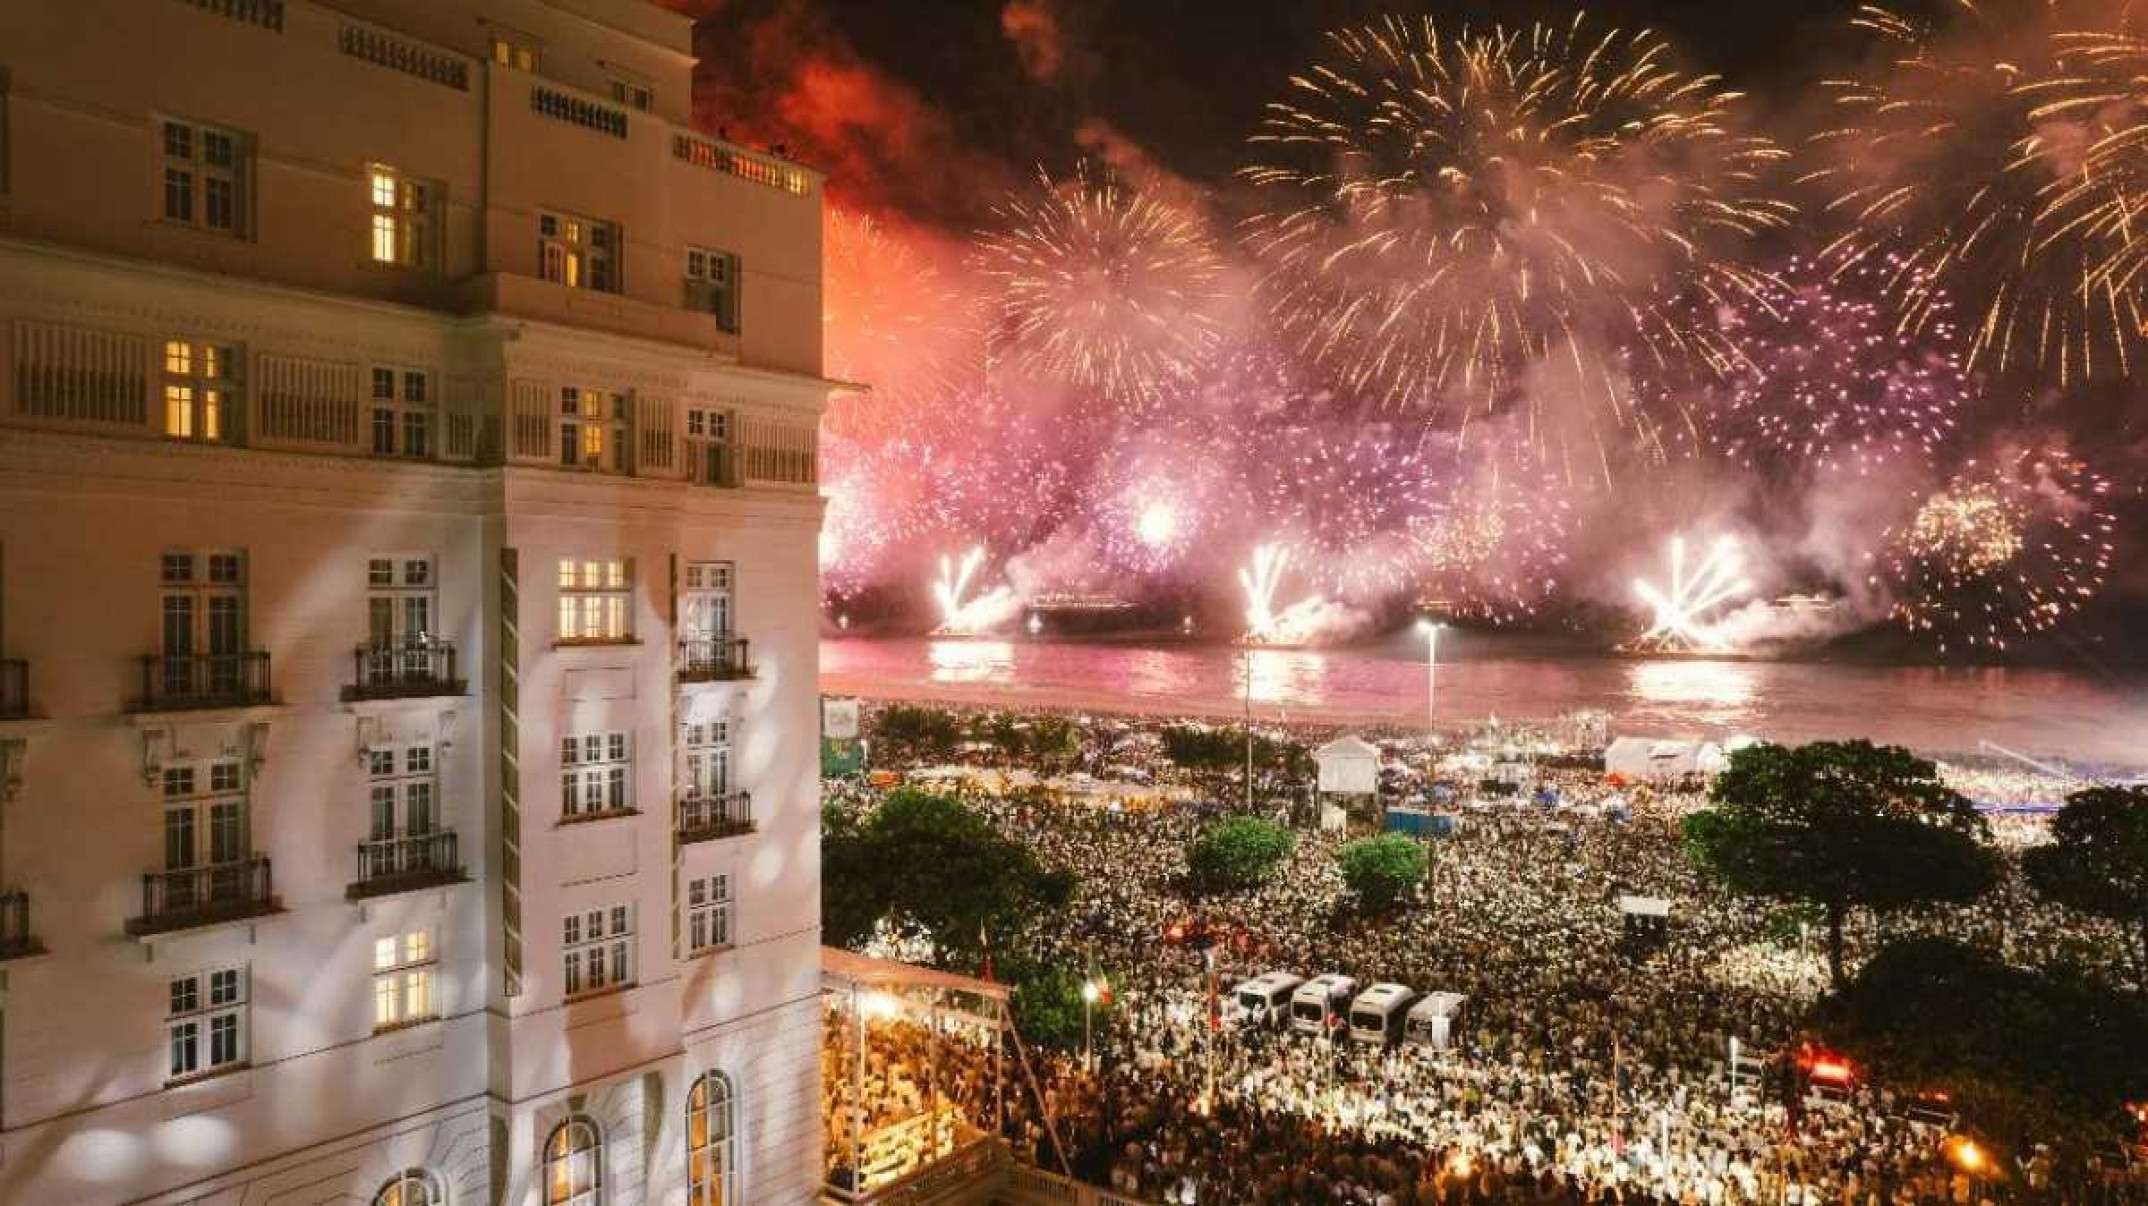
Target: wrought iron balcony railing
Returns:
[[705, 818], [176, 682], [404, 670], [16, 940], [14, 688], [197, 896], [712, 659], [404, 862]]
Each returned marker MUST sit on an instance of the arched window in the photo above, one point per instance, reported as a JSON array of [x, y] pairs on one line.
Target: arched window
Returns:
[[411, 1187], [574, 1164], [711, 1142]]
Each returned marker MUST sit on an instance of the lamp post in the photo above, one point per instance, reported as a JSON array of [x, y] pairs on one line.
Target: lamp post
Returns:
[[1431, 630], [1088, 1005]]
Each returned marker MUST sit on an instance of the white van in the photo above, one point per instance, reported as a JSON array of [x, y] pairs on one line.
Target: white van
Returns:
[[1264, 1000], [1437, 1021], [1317, 1002], [1376, 1016]]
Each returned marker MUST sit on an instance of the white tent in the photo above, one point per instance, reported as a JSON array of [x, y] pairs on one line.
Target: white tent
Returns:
[[1349, 766], [1660, 758]]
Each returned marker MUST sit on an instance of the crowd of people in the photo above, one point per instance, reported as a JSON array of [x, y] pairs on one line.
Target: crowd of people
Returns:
[[1588, 1069]]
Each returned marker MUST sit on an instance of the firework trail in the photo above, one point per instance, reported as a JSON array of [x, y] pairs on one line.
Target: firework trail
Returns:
[[1102, 287], [1683, 605], [1995, 162], [2009, 547], [1262, 580], [1442, 214]]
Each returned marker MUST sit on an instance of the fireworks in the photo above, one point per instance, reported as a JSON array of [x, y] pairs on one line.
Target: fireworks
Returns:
[[1498, 550], [2009, 547], [1103, 287], [1822, 379], [965, 614], [1262, 580], [1684, 607], [1158, 493], [1445, 214], [892, 319], [1995, 163], [1349, 496]]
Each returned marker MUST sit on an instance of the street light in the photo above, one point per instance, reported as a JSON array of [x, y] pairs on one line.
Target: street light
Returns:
[[1430, 629], [1089, 994]]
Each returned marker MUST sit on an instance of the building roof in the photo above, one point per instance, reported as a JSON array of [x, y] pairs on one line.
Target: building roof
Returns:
[[1350, 745], [852, 968]]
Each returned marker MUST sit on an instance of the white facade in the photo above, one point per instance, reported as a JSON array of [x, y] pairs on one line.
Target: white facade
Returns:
[[407, 524]]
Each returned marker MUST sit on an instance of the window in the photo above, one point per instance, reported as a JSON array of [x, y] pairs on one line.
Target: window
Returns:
[[202, 621], [402, 413], [411, 1187], [205, 1025], [204, 176], [596, 600], [402, 230], [398, 601], [597, 950], [708, 913], [514, 50], [712, 284], [593, 429], [708, 759], [711, 1127], [200, 380], [574, 1164], [401, 789], [580, 253], [712, 425], [705, 611], [628, 92], [708, 447], [403, 967], [595, 774]]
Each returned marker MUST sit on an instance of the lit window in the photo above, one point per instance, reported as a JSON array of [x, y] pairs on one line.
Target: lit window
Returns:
[[597, 950], [596, 774], [200, 384], [574, 1164], [204, 176], [403, 966], [596, 600], [708, 913], [593, 429], [711, 1130], [411, 1187], [402, 228], [205, 1022], [514, 51], [580, 253]]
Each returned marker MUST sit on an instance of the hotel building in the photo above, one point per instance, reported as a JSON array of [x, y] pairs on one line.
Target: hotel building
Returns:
[[407, 612]]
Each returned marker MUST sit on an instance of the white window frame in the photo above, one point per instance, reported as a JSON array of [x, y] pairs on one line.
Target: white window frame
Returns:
[[400, 408], [579, 252], [411, 1187], [405, 982], [712, 284], [710, 915], [201, 389], [712, 1141], [596, 600], [205, 1023], [635, 94], [593, 428], [206, 814], [402, 790], [574, 1172], [597, 951], [204, 176], [706, 746], [402, 231], [709, 604], [401, 600], [596, 774]]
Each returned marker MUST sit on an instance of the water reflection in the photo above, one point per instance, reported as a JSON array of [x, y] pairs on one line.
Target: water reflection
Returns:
[[1285, 676], [1728, 685], [966, 661]]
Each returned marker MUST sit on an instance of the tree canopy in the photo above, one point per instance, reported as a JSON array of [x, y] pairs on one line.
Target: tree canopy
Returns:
[[2097, 861], [1382, 870], [1842, 825], [1237, 852]]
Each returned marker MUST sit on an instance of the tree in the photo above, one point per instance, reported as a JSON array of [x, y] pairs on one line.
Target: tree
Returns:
[[916, 732], [2019, 1052], [1047, 1005], [850, 890], [1238, 852], [2097, 861], [1842, 825], [1381, 870], [932, 868], [1208, 753]]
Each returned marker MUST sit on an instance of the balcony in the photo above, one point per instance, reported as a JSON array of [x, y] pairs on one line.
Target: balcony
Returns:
[[176, 683], [706, 818], [405, 863], [16, 940], [199, 896], [14, 688], [405, 670], [714, 659]]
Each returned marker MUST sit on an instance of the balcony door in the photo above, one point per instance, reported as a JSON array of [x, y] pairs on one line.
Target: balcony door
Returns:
[[202, 632], [705, 609], [400, 617], [205, 833], [707, 773], [403, 807]]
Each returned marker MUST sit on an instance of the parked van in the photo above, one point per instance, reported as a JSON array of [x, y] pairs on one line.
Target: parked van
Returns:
[[1376, 1016], [1265, 1000], [1320, 1001], [1438, 1021]]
